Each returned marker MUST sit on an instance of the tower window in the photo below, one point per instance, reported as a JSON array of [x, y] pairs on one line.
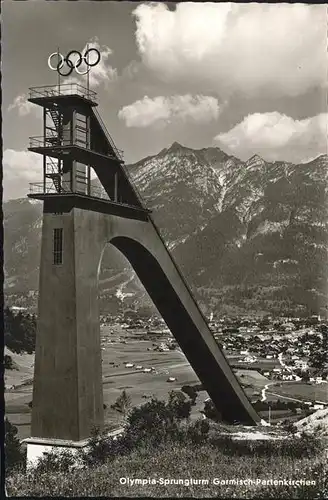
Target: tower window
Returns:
[[58, 246]]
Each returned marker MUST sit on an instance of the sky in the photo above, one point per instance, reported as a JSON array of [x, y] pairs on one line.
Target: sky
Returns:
[[247, 78]]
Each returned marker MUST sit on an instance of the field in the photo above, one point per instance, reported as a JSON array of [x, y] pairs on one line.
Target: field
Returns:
[[116, 376], [260, 364], [121, 346], [140, 385], [302, 391]]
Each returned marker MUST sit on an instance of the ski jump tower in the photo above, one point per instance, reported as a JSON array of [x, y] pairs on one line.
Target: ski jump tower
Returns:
[[78, 221]]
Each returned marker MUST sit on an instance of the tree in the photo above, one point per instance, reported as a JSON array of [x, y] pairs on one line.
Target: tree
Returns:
[[122, 404], [157, 421], [20, 331], [211, 412], [191, 392], [289, 427], [198, 432], [178, 406], [14, 457], [8, 362], [151, 421]]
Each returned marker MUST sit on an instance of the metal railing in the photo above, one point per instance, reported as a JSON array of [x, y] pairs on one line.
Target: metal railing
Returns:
[[65, 188], [47, 187], [55, 141], [118, 152], [73, 89], [130, 179], [44, 141]]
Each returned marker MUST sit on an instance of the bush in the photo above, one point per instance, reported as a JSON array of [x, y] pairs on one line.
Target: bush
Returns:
[[8, 362], [198, 431], [289, 427], [122, 404], [101, 448], [211, 412], [191, 392], [19, 331], [15, 458], [151, 421], [56, 461], [178, 406], [293, 447]]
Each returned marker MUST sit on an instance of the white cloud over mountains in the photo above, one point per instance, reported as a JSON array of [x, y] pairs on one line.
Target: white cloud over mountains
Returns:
[[273, 50], [23, 106], [19, 169], [162, 111], [276, 136]]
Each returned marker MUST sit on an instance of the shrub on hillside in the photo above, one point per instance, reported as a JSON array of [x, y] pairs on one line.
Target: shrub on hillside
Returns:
[[293, 447], [197, 432], [158, 424], [8, 362], [148, 425], [191, 392], [14, 455], [211, 412], [165, 461], [178, 406], [56, 461], [19, 331], [101, 449], [122, 404], [289, 427], [151, 422]]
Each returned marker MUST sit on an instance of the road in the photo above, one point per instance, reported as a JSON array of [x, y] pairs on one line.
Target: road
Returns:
[[286, 367], [265, 388]]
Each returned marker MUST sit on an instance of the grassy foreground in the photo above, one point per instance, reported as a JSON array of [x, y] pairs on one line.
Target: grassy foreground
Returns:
[[173, 461], [163, 454]]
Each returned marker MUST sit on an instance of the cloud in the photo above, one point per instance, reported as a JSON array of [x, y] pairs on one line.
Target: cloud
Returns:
[[161, 111], [19, 169], [276, 136], [23, 106], [249, 49]]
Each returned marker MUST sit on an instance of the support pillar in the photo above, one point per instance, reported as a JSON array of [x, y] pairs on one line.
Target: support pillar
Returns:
[[67, 391]]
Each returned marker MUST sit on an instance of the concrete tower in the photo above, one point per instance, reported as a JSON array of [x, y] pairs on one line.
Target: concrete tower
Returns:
[[78, 221]]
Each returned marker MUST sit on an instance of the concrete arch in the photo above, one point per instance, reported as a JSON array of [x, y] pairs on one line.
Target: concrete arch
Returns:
[[67, 391], [162, 281]]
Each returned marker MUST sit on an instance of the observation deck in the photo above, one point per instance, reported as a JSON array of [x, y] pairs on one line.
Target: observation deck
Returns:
[[94, 199], [57, 147], [66, 93]]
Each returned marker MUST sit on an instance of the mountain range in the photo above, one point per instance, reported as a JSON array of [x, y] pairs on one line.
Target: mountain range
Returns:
[[250, 237]]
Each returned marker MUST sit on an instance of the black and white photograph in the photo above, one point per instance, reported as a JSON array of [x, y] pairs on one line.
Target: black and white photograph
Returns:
[[165, 254]]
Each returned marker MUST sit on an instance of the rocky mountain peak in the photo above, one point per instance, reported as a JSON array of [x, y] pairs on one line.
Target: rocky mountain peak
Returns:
[[234, 227], [175, 145], [255, 161]]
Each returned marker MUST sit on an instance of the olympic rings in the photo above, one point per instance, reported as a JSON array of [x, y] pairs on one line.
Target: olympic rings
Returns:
[[73, 65]]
